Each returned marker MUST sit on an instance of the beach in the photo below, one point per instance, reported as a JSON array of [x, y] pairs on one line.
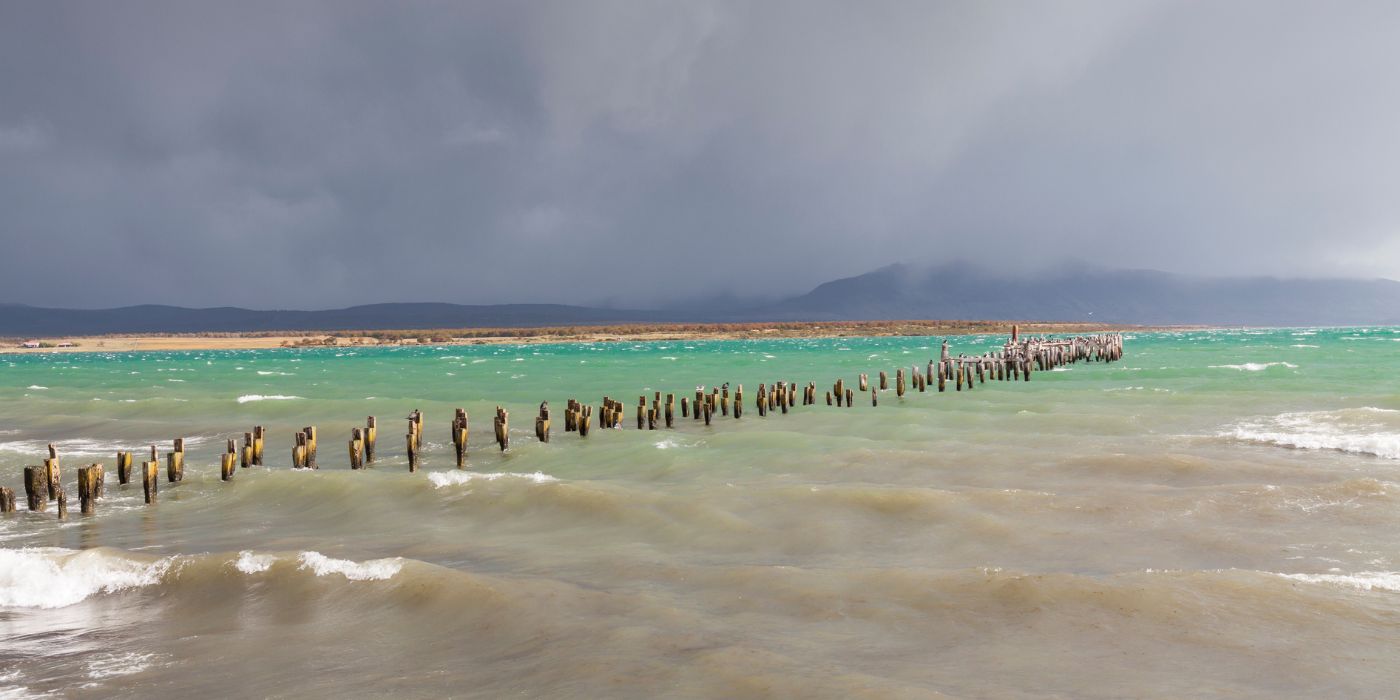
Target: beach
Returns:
[[546, 334], [1215, 514]]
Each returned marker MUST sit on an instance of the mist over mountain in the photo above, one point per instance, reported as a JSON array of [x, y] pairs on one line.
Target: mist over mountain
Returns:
[[1079, 292], [958, 291]]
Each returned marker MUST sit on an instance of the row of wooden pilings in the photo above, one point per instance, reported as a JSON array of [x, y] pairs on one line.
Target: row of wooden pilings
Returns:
[[1016, 361]]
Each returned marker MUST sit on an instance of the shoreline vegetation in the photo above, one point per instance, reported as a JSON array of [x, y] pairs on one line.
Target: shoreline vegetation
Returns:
[[635, 332]]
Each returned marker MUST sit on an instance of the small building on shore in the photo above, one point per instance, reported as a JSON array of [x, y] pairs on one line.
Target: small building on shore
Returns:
[[29, 344]]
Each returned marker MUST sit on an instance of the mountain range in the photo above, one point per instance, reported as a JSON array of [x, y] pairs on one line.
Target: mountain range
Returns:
[[955, 291]]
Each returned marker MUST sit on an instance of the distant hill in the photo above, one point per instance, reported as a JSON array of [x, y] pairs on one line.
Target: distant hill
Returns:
[[1084, 293], [952, 291]]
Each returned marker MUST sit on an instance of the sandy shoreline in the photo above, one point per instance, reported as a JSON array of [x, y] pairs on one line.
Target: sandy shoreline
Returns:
[[553, 334]]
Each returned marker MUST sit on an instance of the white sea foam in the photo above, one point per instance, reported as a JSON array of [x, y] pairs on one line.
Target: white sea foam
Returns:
[[1256, 366], [250, 563], [1361, 580], [1366, 430], [259, 397], [269, 373], [36, 387], [1302, 345], [372, 570], [119, 664], [444, 479], [53, 577]]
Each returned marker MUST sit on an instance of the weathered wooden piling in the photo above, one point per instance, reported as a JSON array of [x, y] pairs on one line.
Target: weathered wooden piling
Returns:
[[54, 473], [7, 499], [828, 398], [761, 400], [874, 396], [299, 451], [357, 448], [502, 425], [864, 380], [123, 467], [709, 411], [258, 436], [371, 433], [88, 489], [150, 480], [585, 421], [228, 461], [671, 408], [685, 407], [839, 390], [36, 488], [899, 383], [310, 432], [542, 422], [411, 447], [783, 402], [738, 401], [884, 381], [175, 462], [459, 436], [62, 504], [850, 398], [245, 455]]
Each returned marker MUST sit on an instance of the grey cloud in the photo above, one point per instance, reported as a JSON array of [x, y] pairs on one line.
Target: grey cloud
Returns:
[[314, 154]]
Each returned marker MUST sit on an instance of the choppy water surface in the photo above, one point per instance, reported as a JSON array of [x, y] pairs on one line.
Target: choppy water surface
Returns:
[[1217, 514]]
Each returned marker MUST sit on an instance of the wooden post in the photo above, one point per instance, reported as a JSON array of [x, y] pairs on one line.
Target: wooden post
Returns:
[[411, 444], [62, 504], [7, 499], [874, 397], [865, 381], [150, 480], [685, 407], [850, 398], [371, 432], [299, 451], [459, 436], [36, 487], [899, 383], [782, 395], [175, 462], [641, 412], [723, 400], [828, 398], [762, 400], [228, 462], [310, 431], [709, 409], [54, 472], [671, 408], [258, 436], [542, 422], [502, 424], [87, 489], [738, 401], [245, 457], [585, 421], [357, 448], [884, 381], [123, 467]]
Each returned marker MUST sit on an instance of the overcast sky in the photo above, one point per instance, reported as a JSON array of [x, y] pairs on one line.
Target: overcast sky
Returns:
[[299, 154]]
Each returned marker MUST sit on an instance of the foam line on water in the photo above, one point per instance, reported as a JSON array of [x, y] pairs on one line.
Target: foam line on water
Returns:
[[445, 479]]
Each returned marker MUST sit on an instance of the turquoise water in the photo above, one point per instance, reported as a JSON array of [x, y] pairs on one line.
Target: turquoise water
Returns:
[[1223, 501]]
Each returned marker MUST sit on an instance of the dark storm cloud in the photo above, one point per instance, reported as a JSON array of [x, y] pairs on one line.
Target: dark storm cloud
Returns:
[[303, 154]]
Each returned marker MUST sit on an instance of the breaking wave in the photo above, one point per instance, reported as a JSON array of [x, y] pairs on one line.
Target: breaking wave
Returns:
[[1366, 430], [275, 397]]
